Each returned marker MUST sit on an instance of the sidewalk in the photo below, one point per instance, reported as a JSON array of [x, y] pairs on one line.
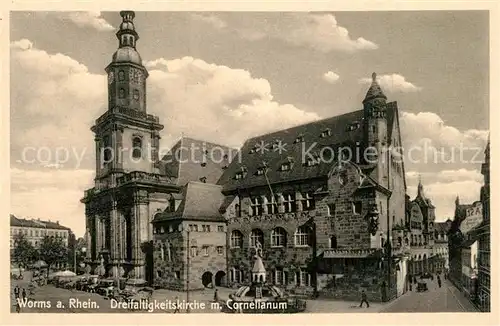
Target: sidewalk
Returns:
[[461, 298], [321, 305]]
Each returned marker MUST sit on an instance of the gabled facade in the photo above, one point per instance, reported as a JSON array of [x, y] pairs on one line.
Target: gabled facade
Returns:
[[278, 193]]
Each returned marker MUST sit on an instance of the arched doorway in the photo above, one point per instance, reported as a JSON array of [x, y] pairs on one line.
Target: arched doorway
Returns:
[[220, 278], [206, 279], [148, 249]]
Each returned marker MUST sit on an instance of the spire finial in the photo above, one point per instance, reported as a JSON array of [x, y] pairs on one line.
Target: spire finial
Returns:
[[374, 77]]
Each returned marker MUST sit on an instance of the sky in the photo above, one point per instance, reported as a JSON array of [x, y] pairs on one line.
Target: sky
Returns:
[[228, 76]]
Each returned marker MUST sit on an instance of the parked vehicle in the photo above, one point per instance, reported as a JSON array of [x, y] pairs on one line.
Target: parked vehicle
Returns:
[[422, 287], [426, 275], [105, 287]]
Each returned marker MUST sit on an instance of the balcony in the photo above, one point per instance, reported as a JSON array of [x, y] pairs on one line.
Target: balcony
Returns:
[[128, 112], [89, 192], [139, 176]]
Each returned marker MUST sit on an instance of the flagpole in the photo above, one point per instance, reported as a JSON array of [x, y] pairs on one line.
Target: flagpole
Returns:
[[269, 185]]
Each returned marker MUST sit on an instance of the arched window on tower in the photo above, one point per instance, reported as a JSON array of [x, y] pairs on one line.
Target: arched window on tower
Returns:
[[333, 242], [106, 150], [136, 147], [130, 41], [121, 75], [121, 93]]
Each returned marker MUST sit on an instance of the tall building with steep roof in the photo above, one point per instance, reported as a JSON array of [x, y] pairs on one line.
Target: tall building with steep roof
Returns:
[[325, 200], [132, 184]]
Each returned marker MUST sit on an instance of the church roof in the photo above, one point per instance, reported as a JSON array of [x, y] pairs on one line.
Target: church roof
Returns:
[[196, 160], [200, 201], [264, 151], [127, 55], [441, 227]]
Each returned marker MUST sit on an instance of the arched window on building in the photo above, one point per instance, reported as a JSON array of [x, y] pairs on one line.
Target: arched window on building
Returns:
[[400, 241], [278, 237], [236, 239], [136, 147], [302, 236], [162, 252], [333, 242], [256, 238]]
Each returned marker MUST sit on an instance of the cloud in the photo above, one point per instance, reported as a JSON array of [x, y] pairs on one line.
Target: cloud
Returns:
[[330, 77], [445, 176], [230, 100], [393, 83], [415, 126], [51, 194], [443, 194], [44, 112], [84, 19], [213, 20], [318, 31]]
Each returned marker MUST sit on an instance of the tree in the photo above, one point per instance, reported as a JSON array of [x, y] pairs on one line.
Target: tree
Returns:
[[24, 253], [53, 250]]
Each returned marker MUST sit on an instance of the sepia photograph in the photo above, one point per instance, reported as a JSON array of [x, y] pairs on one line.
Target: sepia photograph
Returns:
[[250, 162]]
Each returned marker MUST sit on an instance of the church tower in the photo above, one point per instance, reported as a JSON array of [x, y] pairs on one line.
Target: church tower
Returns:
[[374, 107], [126, 136], [119, 208]]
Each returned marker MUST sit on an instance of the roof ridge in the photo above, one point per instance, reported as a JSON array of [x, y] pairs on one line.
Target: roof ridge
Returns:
[[207, 142], [304, 124]]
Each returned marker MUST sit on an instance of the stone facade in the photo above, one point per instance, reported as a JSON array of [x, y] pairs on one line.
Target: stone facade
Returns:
[[325, 224], [198, 255]]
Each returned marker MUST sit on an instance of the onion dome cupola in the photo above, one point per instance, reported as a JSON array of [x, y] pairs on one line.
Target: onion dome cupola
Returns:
[[127, 37], [126, 74]]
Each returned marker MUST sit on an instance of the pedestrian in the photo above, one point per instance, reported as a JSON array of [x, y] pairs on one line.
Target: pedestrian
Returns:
[[216, 296], [364, 299], [16, 292], [439, 281], [24, 294], [177, 305], [18, 307]]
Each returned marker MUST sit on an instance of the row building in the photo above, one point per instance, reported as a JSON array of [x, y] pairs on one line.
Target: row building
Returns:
[[34, 230], [469, 245], [327, 222]]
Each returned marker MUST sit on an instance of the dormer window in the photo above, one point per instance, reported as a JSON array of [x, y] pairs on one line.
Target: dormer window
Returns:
[[285, 167], [312, 160], [224, 167], [299, 139], [203, 164], [203, 179], [326, 133], [353, 126], [241, 173], [261, 171]]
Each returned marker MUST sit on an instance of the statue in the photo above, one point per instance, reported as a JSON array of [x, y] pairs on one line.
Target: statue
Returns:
[[258, 249]]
